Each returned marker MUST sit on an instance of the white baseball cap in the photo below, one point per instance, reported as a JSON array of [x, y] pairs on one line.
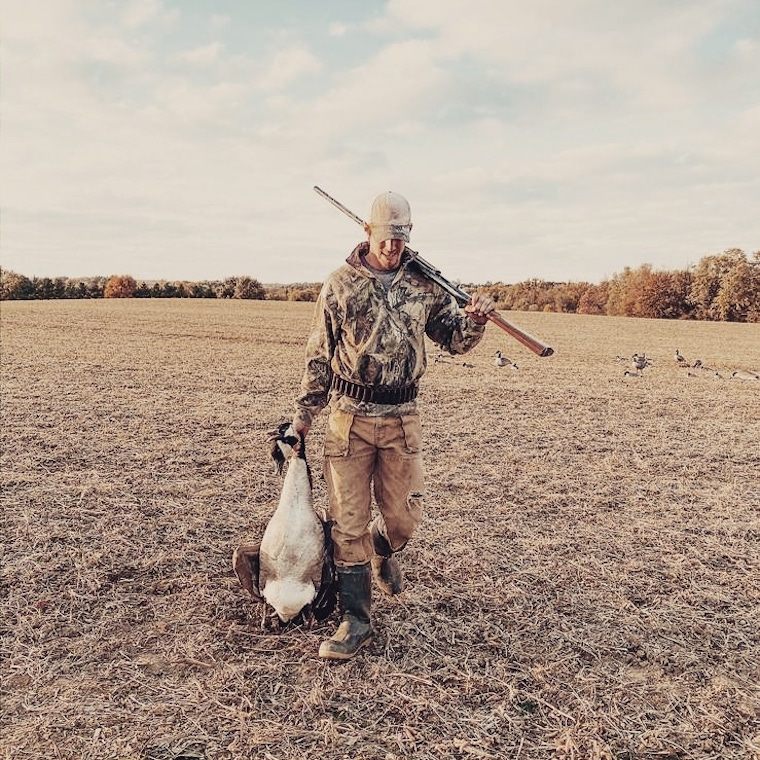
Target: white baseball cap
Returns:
[[390, 218]]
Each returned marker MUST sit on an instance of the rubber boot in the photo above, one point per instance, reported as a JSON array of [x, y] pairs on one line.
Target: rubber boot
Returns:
[[354, 599], [385, 566]]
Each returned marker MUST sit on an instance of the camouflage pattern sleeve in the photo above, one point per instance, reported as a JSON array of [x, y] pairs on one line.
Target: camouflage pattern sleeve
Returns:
[[317, 376], [452, 330]]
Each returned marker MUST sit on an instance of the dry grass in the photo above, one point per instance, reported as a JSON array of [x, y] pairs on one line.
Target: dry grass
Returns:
[[586, 583]]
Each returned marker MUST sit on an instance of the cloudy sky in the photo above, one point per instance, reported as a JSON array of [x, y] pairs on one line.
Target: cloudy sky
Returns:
[[559, 139]]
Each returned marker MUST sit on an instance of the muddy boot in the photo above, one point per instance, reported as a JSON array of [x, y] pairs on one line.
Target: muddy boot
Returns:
[[385, 566], [354, 599]]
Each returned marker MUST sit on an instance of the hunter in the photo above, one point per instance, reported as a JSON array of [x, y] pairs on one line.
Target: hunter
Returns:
[[365, 357]]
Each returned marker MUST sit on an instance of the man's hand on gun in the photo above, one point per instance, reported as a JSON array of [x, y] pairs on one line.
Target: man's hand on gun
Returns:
[[479, 308]]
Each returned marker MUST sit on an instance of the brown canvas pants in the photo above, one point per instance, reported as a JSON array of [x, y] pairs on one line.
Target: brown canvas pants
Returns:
[[372, 454]]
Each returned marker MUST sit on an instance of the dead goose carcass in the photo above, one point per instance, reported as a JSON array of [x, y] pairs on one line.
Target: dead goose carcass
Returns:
[[291, 571]]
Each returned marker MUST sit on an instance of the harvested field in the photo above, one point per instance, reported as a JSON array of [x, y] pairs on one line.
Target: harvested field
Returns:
[[586, 583]]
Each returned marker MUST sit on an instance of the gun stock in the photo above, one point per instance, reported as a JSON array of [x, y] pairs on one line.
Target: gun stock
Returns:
[[534, 344]]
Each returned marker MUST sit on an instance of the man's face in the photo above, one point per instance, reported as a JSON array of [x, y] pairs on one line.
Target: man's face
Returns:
[[386, 254]]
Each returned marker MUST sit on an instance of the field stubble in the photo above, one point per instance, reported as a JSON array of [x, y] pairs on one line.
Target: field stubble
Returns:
[[586, 583]]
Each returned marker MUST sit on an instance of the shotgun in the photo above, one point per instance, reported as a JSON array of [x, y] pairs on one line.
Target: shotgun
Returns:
[[462, 298]]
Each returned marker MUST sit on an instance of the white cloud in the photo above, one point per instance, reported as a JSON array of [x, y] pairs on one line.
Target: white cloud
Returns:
[[138, 13], [285, 67], [220, 21], [389, 89], [202, 56], [338, 29]]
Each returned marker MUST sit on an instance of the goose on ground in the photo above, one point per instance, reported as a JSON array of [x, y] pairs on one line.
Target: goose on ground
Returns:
[[502, 361], [291, 570], [640, 362]]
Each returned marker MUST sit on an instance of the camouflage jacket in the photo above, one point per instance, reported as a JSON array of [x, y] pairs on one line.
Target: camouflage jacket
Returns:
[[376, 337]]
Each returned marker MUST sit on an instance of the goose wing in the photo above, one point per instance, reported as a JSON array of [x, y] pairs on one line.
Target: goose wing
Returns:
[[327, 592], [245, 563]]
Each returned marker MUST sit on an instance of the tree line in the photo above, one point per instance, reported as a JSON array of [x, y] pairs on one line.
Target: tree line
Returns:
[[18, 287], [721, 287]]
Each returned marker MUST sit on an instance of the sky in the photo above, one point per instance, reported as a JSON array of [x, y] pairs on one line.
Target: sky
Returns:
[[554, 139]]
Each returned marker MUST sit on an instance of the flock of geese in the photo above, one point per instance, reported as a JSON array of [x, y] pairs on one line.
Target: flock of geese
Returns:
[[639, 362]]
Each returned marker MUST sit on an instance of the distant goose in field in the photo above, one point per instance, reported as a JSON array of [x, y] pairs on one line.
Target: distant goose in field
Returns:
[[291, 570], [502, 361], [743, 374], [680, 358], [628, 373], [640, 362]]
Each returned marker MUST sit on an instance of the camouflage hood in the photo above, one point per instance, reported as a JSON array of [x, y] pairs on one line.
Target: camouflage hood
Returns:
[[375, 336]]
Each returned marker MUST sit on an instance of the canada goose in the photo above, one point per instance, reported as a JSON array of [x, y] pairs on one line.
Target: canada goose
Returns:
[[502, 361], [640, 362], [291, 570], [743, 374], [680, 358]]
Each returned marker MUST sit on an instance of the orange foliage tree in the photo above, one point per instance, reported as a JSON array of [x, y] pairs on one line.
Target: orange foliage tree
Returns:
[[120, 286]]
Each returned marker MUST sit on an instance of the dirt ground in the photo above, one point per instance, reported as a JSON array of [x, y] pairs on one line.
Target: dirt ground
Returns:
[[586, 583]]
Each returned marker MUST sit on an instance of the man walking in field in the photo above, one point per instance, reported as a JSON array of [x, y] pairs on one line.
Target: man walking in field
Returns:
[[365, 357]]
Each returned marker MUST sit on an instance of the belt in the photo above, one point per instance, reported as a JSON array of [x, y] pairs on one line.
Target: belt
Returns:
[[382, 394]]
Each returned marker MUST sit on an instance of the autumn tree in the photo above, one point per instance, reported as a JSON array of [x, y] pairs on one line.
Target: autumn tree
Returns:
[[226, 288], [739, 293], [624, 288], [247, 287], [76, 289], [663, 295], [120, 286], [593, 300], [726, 287], [15, 286], [566, 296]]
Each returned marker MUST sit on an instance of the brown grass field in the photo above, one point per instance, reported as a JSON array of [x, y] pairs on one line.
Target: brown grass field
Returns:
[[586, 583]]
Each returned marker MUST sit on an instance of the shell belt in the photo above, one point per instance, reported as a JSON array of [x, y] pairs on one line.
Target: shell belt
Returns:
[[376, 395]]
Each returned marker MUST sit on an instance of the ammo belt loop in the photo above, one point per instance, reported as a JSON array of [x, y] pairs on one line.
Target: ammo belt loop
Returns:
[[379, 395]]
